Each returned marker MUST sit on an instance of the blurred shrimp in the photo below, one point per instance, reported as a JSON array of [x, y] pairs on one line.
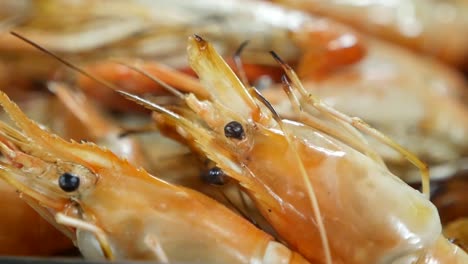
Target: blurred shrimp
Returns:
[[436, 28], [157, 30], [320, 185], [114, 210], [228, 24]]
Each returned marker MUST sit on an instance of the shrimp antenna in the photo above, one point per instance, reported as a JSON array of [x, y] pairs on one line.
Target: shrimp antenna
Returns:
[[174, 117], [87, 74], [50, 53], [262, 99], [356, 123], [289, 92], [353, 138], [238, 62], [140, 101], [155, 79], [149, 105], [308, 183]]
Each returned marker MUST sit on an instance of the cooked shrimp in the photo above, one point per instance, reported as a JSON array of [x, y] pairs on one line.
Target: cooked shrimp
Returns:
[[326, 192], [437, 28], [267, 26], [112, 209], [157, 30], [163, 26]]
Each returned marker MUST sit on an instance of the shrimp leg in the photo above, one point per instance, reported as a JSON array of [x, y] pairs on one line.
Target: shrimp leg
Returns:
[[101, 237]]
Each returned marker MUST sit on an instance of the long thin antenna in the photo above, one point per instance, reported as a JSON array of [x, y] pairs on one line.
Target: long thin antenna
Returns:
[[149, 105], [155, 79], [238, 62], [87, 74]]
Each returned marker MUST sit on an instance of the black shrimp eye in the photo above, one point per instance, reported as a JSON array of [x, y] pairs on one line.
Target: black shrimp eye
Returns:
[[214, 176], [69, 182], [234, 130]]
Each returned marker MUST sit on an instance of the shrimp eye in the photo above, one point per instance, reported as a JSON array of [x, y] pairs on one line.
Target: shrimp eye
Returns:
[[214, 176], [69, 182], [234, 129]]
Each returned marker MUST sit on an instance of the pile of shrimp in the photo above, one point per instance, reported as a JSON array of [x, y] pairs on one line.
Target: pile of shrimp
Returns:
[[234, 131]]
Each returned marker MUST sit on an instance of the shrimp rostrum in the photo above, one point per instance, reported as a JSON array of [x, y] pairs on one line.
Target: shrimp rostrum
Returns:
[[113, 210], [319, 184]]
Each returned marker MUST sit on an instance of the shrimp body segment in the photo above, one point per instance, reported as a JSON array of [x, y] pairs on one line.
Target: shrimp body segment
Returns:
[[114, 210], [369, 215]]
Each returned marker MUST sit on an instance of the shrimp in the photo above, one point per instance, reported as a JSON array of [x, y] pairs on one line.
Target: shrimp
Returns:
[[435, 28], [156, 30], [114, 210], [330, 45], [321, 189], [267, 26]]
